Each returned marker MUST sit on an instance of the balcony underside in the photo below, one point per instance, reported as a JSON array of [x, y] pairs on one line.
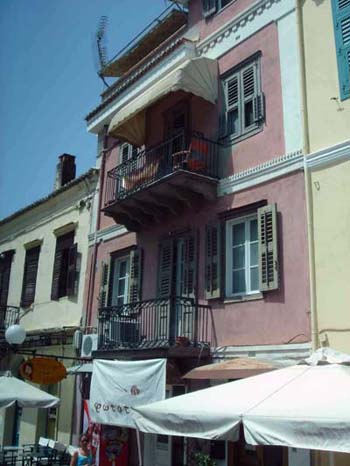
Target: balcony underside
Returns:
[[163, 351], [163, 198]]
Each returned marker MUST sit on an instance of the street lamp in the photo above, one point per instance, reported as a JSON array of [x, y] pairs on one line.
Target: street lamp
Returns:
[[15, 334]]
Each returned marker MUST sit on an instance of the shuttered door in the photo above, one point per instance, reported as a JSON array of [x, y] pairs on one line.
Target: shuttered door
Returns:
[[341, 17], [268, 248], [30, 276], [135, 275], [212, 262]]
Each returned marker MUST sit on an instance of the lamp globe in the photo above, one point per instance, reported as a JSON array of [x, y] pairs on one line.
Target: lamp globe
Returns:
[[15, 334]]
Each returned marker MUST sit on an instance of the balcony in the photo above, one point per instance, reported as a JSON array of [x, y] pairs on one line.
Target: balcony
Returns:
[[168, 326], [165, 26], [180, 173], [9, 315]]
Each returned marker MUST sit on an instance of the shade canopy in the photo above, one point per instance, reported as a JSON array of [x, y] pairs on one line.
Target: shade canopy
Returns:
[[13, 390], [237, 368], [197, 76], [302, 406]]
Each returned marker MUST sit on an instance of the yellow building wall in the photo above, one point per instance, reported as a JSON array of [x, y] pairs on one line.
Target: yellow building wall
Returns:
[[328, 120], [331, 211]]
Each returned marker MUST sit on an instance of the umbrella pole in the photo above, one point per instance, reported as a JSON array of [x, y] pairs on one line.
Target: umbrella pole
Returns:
[[139, 446]]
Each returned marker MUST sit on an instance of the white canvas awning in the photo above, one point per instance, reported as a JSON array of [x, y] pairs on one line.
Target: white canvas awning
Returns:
[[302, 406], [13, 390], [197, 76]]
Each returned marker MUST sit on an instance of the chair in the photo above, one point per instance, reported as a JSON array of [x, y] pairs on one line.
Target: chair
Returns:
[[193, 159]]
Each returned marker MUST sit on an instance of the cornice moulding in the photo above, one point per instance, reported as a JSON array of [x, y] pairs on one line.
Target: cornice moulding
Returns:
[[241, 20], [329, 156], [266, 171], [106, 234]]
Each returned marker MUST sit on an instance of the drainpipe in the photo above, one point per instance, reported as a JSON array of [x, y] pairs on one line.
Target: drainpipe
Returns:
[[91, 288], [307, 177]]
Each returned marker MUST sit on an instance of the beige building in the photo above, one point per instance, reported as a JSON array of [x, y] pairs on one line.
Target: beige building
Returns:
[[325, 46], [43, 256]]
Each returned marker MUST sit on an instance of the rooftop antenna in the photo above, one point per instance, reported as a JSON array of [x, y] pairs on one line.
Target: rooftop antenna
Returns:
[[101, 47]]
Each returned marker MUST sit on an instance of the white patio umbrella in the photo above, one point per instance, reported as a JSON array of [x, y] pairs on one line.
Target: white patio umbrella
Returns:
[[303, 406], [13, 390]]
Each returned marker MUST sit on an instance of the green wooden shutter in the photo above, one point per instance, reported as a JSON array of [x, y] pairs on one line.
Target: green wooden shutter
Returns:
[[268, 248], [209, 7], [341, 20], [232, 99], [190, 266], [72, 270], [165, 270], [212, 262], [250, 95], [30, 276], [135, 280], [104, 284]]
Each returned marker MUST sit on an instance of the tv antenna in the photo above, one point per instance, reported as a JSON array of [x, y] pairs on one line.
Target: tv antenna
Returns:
[[101, 47]]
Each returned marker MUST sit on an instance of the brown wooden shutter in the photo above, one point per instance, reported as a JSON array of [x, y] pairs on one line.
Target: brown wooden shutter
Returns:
[[212, 262], [190, 266], [135, 275], [72, 270], [268, 248], [60, 267], [209, 7], [104, 284], [56, 275], [165, 270], [5, 271], [30, 276]]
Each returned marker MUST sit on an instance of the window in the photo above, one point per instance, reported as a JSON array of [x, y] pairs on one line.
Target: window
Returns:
[[242, 276], [248, 256], [65, 265], [30, 275], [5, 271], [121, 279], [243, 102], [341, 20], [212, 6], [127, 151]]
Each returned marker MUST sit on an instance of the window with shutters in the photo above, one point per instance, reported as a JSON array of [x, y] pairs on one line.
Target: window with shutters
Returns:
[[5, 271], [30, 275], [249, 253], [127, 151], [341, 21], [121, 279], [65, 267], [212, 6], [243, 102]]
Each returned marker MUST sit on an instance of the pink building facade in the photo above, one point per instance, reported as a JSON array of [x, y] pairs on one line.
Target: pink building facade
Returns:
[[200, 249]]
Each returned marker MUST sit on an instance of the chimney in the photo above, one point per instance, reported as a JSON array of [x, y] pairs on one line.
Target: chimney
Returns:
[[65, 171]]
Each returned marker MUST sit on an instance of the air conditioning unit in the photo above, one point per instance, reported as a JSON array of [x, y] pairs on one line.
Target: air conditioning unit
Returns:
[[89, 345], [77, 339]]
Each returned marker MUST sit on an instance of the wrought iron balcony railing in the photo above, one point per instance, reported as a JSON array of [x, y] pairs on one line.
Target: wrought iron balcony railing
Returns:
[[9, 315], [192, 153], [155, 323]]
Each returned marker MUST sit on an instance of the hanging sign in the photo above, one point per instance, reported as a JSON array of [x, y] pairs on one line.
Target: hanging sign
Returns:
[[117, 386], [43, 371]]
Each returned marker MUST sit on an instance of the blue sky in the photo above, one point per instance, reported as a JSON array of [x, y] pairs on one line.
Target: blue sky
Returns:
[[48, 84]]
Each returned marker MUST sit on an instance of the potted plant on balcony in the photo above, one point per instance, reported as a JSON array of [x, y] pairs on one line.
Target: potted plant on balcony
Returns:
[[203, 459], [182, 341]]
